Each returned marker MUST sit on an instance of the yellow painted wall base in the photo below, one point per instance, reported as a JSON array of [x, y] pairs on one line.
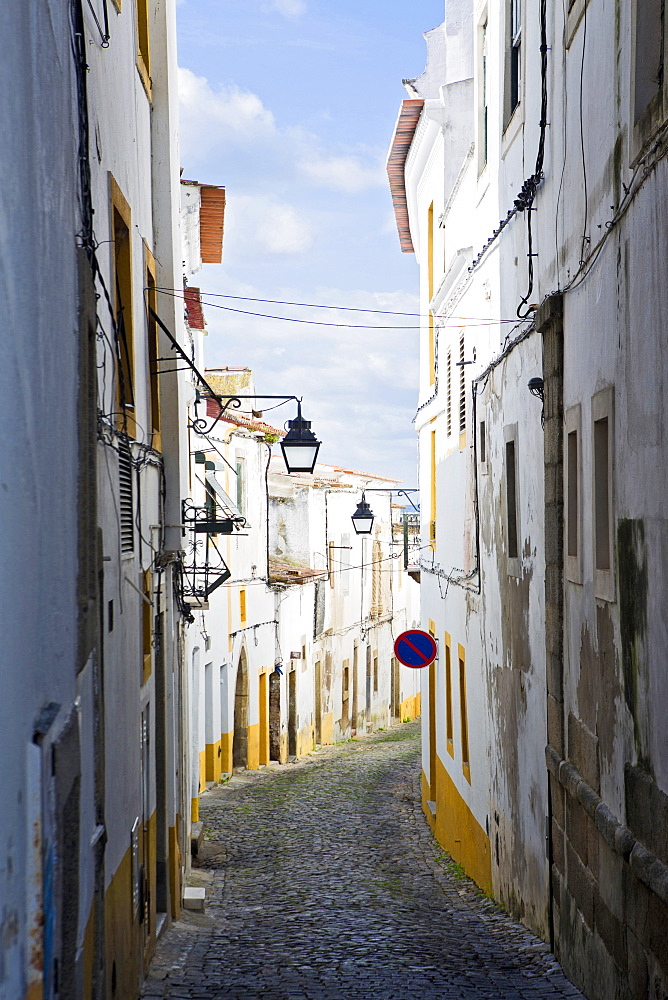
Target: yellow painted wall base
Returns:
[[213, 755], [327, 728], [151, 868], [410, 708], [253, 747], [175, 870], [305, 740], [88, 958], [202, 770], [194, 810], [457, 830], [121, 933], [226, 741]]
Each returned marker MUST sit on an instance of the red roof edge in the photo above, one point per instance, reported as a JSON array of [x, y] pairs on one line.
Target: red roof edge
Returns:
[[194, 311], [404, 131]]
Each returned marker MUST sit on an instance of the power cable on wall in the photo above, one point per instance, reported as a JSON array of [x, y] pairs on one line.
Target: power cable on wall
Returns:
[[585, 238]]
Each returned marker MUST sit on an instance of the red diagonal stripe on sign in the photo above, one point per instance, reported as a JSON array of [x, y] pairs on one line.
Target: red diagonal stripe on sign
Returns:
[[416, 650]]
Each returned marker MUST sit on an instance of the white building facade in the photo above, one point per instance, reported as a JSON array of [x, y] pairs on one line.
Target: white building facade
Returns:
[[528, 176], [92, 830]]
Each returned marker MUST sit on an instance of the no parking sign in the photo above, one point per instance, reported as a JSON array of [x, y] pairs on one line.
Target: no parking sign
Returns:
[[415, 648]]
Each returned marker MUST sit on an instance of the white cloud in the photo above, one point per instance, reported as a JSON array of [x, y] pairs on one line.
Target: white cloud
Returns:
[[208, 116], [266, 224], [289, 8], [343, 173]]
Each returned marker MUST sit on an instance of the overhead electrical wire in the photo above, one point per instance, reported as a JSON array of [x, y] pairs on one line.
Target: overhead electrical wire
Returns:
[[458, 320]]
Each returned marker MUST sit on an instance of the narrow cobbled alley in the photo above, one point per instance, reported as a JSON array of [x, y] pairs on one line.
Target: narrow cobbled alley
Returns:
[[323, 881]]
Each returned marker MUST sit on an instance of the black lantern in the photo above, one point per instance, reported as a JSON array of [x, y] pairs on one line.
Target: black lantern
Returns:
[[362, 518], [300, 445]]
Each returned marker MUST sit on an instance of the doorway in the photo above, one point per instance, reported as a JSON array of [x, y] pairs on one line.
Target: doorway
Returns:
[[274, 716], [353, 717], [369, 675], [292, 713], [395, 696], [264, 720], [240, 740], [318, 702], [432, 731]]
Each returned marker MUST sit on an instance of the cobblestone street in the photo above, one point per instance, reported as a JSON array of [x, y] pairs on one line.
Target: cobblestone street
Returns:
[[323, 881]]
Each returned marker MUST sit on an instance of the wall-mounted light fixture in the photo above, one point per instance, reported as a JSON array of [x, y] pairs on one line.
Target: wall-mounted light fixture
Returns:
[[299, 446], [536, 387]]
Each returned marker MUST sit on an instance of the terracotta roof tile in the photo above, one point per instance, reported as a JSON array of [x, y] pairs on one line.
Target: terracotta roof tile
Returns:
[[194, 312], [404, 131], [286, 572], [211, 222], [241, 420]]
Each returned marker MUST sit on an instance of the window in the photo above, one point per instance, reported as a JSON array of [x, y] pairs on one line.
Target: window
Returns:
[[153, 355], [449, 393], [242, 606], [515, 53], [430, 292], [449, 732], [147, 627], [513, 84], [572, 532], [240, 467], [483, 99], [602, 426], [649, 92], [143, 44], [649, 54], [375, 674], [572, 494], [511, 497], [601, 496], [125, 501], [482, 438], [463, 709], [121, 230]]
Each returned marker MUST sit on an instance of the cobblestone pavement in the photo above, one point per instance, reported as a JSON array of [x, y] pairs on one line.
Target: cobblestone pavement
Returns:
[[324, 881]]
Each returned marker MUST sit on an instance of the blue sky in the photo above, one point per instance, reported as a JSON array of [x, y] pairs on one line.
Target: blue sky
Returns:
[[291, 105]]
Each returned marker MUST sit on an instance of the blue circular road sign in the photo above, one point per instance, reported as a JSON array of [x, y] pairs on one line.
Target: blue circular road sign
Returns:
[[415, 648]]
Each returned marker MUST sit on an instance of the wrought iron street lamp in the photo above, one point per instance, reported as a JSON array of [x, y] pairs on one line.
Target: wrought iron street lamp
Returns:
[[362, 518], [300, 445]]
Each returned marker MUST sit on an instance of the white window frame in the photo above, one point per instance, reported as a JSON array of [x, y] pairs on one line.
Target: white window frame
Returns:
[[513, 563], [573, 425], [602, 407], [642, 131]]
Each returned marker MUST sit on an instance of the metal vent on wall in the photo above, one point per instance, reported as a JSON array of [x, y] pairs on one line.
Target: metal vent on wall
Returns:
[[125, 497]]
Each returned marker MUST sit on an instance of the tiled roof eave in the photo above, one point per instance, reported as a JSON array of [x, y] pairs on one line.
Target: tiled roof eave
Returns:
[[404, 131]]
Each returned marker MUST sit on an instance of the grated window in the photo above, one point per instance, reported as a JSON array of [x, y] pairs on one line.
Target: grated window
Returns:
[[449, 388], [125, 497]]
